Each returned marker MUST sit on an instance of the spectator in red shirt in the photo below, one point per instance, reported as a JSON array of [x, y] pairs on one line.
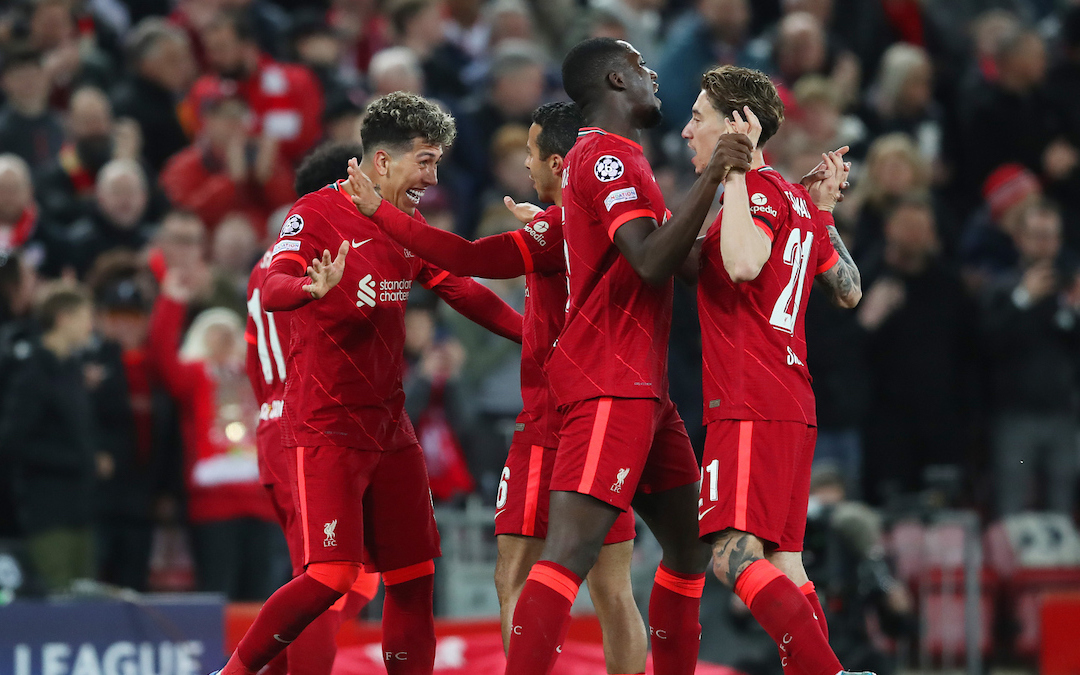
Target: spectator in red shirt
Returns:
[[229, 170], [286, 100]]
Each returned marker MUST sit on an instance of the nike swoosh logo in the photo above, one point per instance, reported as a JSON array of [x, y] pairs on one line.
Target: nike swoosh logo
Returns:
[[279, 639], [358, 244], [704, 513]]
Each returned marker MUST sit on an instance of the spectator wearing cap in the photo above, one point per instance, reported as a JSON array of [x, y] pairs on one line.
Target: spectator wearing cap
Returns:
[[161, 69], [1018, 93], [135, 422], [118, 219], [920, 328], [65, 187], [28, 128], [285, 100], [47, 432], [988, 248], [1031, 325], [228, 169]]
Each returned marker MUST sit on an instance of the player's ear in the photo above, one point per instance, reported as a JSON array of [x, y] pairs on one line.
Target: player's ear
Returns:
[[557, 163], [382, 162], [615, 79]]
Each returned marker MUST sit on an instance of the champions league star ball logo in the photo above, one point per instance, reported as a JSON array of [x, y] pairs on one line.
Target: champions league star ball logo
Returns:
[[608, 168]]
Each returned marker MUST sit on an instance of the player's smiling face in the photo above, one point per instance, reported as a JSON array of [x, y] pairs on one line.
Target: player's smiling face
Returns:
[[703, 131], [543, 171], [641, 85], [404, 176]]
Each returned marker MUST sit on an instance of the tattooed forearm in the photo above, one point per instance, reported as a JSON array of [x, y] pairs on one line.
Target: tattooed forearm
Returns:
[[843, 282], [733, 555]]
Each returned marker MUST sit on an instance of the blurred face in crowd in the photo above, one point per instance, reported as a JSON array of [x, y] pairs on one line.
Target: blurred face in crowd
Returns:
[[511, 170], [319, 50], [171, 64], [51, 25], [820, 119], [894, 173], [1026, 62], [235, 244], [1038, 238], [26, 88], [820, 9], [910, 233], [121, 195], [222, 345], [800, 46], [225, 123], [228, 55], [182, 239], [426, 26], [419, 330], [403, 176], [75, 326], [728, 19], [917, 90], [546, 173], [127, 327], [16, 191], [517, 92], [345, 128], [511, 24], [90, 114], [703, 131]]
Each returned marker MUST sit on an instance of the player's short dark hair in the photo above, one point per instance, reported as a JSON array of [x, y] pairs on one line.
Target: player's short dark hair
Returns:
[[59, 301], [394, 120], [730, 88], [559, 123], [587, 65], [239, 22], [326, 164]]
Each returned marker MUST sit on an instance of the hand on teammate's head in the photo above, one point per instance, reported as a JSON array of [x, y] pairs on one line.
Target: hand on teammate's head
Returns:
[[365, 194]]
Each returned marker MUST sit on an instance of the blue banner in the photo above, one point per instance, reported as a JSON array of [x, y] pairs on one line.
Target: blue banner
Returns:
[[157, 635]]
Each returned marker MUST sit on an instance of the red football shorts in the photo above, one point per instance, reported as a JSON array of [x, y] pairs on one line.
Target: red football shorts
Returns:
[[522, 503], [610, 448], [364, 506], [756, 478], [274, 476]]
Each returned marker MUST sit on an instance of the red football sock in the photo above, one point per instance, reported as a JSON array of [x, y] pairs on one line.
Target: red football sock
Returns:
[[541, 619], [819, 612], [280, 621], [314, 651], [408, 620], [674, 630], [786, 615]]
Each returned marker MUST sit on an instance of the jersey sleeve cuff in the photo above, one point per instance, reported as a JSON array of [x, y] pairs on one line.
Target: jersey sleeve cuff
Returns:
[[626, 217], [295, 257], [828, 264], [526, 255], [765, 227]]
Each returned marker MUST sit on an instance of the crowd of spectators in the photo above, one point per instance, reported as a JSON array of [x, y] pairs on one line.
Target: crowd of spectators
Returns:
[[149, 137]]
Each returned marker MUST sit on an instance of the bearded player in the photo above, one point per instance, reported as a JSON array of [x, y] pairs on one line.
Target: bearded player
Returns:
[[357, 472], [535, 251], [756, 266], [621, 440], [268, 336]]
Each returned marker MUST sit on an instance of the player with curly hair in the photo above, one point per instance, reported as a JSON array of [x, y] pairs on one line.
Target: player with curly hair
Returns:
[[357, 471]]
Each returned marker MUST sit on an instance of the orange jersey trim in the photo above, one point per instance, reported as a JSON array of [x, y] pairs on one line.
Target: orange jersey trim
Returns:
[[523, 247], [560, 583], [768, 230], [403, 574], [828, 264], [757, 576], [296, 257], [691, 588], [596, 444], [532, 489], [301, 488], [627, 217], [437, 279], [742, 475]]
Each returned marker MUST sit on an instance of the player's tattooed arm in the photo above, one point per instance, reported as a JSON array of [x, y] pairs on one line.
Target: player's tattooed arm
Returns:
[[842, 282]]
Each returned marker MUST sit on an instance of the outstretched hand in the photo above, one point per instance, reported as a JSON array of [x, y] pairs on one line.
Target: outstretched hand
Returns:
[[365, 194], [324, 273], [523, 211]]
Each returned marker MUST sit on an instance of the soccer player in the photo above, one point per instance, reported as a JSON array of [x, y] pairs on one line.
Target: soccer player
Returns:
[[756, 264], [268, 336], [356, 469], [621, 439], [535, 251]]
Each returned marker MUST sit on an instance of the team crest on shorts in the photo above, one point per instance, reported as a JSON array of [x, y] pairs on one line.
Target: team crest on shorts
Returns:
[[608, 168], [619, 479], [328, 530], [292, 226]]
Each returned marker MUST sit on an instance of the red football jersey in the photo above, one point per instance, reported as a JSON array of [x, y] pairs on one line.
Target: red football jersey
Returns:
[[268, 344], [345, 361], [541, 245], [615, 339], [753, 334]]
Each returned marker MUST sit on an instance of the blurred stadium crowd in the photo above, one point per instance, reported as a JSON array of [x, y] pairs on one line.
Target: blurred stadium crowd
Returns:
[[142, 135]]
